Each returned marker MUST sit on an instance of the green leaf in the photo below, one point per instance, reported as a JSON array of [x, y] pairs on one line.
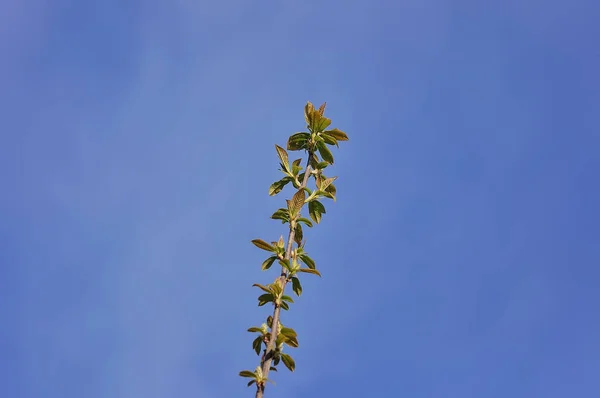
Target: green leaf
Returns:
[[309, 271], [283, 156], [326, 194], [337, 134], [308, 110], [285, 305], [277, 186], [316, 209], [264, 299], [287, 298], [310, 263], [268, 262], [325, 152], [255, 329], [298, 234], [296, 286], [295, 205], [251, 382], [270, 321], [263, 288], [285, 264], [281, 242], [329, 139], [247, 373], [281, 214], [298, 141], [290, 339], [326, 183], [322, 108], [261, 244], [321, 165], [305, 221], [257, 344], [292, 342], [274, 369], [296, 166], [276, 288], [332, 190], [321, 123], [289, 332], [288, 362]]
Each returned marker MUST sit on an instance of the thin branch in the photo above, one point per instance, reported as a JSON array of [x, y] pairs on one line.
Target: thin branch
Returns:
[[270, 350]]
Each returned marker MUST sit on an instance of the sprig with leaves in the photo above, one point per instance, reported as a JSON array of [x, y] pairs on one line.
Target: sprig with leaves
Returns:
[[272, 335]]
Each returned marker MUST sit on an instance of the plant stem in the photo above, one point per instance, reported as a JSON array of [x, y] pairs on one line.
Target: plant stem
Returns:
[[268, 357]]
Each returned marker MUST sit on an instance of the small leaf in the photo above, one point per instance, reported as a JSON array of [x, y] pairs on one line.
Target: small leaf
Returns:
[[276, 288], [255, 329], [305, 221], [316, 209], [322, 108], [308, 110], [261, 244], [337, 134], [289, 332], [329, 139], [310, 263], [257, 344], [247, 373], [281, 214], [298, 141], [263, 288], [325, 152], [313, 118], [314, 159], [296, 286], [285, 305], [326, 183], [277, 186], [270, 321], [288, 362], [283, 156], [309, 271], [332, 190], [295, 205], [287, 298], [321, 165], [268, 262], [264, 299], [296, 166], [298, 234], [290, 339], [285, 264], [292, 342], [322, 123], [326, 194]]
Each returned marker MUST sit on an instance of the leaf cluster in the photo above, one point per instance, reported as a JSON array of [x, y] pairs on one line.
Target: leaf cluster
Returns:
[[294, 261]]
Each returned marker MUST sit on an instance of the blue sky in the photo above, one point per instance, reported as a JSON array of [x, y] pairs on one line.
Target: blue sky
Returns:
[[462, 256]]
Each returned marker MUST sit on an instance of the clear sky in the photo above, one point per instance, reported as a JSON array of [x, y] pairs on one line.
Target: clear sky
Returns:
[[462, 258]]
